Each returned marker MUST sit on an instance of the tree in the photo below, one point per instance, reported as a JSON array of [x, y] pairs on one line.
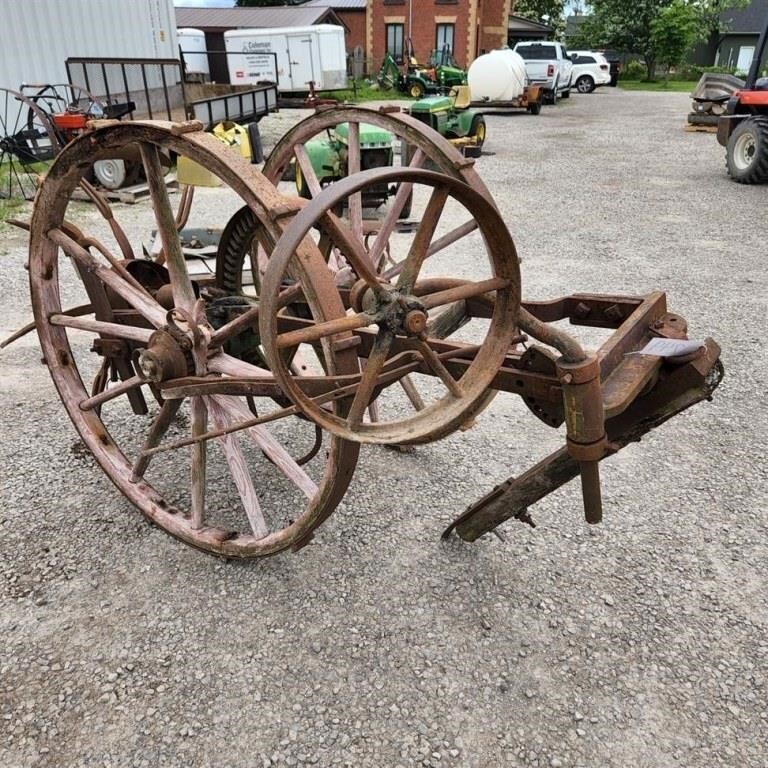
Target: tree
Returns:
[[624, 26], [674, 31], [713, 23], [659, 30], [550, 12]]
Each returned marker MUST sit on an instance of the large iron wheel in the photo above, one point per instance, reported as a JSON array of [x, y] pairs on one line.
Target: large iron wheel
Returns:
[[391, 322], [159, 340]]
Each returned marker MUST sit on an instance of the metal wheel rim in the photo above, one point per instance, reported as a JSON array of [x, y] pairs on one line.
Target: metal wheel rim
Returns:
[[744, 151], [448, 413]]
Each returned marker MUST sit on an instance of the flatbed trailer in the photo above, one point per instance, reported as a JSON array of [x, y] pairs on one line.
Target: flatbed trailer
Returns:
[[530, 100]]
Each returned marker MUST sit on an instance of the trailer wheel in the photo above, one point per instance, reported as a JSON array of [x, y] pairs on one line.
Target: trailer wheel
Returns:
[[534, 107], [746, 155]]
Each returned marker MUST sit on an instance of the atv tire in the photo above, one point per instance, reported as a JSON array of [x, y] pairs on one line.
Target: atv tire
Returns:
[[746, 155]]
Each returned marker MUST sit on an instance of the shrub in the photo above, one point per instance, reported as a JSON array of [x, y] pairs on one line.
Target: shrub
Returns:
[[633, 70]]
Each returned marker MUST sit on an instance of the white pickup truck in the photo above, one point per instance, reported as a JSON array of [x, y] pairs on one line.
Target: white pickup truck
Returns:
[[547, 64]]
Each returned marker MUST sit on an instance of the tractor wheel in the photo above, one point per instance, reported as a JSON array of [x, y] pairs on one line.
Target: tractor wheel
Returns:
[[746, 155], [585, 84], [416, 90], [478, 130]]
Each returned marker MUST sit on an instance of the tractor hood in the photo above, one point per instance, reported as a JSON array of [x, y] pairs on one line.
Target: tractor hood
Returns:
[[370, 135], [433, 104]]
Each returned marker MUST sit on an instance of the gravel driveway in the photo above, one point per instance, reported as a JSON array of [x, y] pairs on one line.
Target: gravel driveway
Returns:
[[639, 643]]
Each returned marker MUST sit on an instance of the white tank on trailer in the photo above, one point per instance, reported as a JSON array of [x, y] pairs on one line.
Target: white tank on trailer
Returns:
[[192, 44], [497, 76]]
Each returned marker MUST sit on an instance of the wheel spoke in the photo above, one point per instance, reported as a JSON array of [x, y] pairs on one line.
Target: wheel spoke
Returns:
[[436, 364], [442, 242], [353, 251], [157, 431], [238, 468], [199, 455], [113, 330], [321, 330], [139, 300], [105, 395], [105, 210], [420, 245], [413, 394], [355, 201], [271, 447], [181, 284], [467, 291], [307, 171], [395, 208], [373, 366]]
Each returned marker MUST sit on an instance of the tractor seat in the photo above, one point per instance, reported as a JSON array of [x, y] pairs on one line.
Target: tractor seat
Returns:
[[462, 97]]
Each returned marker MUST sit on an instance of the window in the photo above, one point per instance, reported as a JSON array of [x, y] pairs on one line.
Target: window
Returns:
[[444, 36], [585, 60], [394, 34], [537, 52]]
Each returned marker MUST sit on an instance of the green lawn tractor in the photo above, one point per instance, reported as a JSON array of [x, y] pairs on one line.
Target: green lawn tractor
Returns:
[[440, 74], [329, 156], [451, 117]]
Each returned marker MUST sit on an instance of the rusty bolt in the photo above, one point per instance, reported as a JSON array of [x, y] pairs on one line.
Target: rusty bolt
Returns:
[[415, 322]]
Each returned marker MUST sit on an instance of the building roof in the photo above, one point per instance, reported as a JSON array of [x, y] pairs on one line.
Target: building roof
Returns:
[[750, 20], [521, 24], [248, 18], [337, 5]]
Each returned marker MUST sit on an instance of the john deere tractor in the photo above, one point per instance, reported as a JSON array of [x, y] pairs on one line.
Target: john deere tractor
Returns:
[[439, 75], [329, 156], [451, 116]]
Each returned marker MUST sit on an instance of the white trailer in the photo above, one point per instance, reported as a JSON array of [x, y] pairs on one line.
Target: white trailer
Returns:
[[303, 54], [194, 50], [42, 34]]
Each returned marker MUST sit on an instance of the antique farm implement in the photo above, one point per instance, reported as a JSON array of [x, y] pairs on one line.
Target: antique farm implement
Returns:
[[252, 396]]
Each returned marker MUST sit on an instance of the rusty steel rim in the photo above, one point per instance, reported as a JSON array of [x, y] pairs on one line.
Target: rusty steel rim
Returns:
[[465, 395]]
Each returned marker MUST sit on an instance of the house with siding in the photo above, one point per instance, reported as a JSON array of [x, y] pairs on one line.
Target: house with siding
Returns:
[[743, 26]]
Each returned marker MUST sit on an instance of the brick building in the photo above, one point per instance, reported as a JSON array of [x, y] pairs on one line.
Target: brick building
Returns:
[[468, 27]]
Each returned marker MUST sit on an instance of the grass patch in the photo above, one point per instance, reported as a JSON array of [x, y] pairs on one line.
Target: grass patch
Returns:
[[364, 92], [684, 86]]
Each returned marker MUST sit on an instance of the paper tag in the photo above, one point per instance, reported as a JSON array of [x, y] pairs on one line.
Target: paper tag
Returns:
[[670, 348]]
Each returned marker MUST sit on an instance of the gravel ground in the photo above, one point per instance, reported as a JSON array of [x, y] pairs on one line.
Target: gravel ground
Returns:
[[641, 642]]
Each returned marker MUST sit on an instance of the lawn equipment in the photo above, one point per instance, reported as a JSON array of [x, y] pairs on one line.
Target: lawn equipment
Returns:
[[439, 75], [743, 129], [451, 117], [37, 121]]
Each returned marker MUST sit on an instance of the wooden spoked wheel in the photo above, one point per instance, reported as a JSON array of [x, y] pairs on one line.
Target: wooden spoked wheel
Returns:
[[215, 463], [391, 321]]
